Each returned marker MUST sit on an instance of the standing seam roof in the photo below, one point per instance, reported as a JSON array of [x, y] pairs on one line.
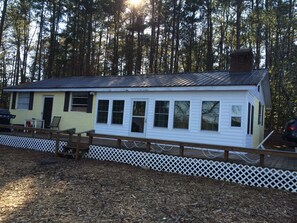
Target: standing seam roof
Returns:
[[219, 78]]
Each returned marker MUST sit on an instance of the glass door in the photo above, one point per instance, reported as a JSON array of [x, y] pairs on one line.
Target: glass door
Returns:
[[138, 120]]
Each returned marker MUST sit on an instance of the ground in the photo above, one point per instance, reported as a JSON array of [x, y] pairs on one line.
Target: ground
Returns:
[[36, 187]]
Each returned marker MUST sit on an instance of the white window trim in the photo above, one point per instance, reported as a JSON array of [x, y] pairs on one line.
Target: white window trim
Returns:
[[18, 101], [220, 115], [241, 116]]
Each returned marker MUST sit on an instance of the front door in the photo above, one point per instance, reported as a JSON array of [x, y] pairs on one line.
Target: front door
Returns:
[[138, 120], [47, 111]]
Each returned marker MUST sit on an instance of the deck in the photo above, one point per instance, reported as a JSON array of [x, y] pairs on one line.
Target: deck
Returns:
[[277, 162]]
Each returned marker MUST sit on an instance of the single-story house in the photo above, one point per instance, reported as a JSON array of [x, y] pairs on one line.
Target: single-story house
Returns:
[[220, 107]]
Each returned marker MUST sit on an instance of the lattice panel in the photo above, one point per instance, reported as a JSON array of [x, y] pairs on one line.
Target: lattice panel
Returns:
[[237, 173], [44, 145]]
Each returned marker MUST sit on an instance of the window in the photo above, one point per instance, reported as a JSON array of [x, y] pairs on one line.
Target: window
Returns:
[[23, 100], [161, 114], [250, 125], [236, 114], [260, 114], [102, 114], [210, 115], [117, 112], [181, 114], [79, 101]]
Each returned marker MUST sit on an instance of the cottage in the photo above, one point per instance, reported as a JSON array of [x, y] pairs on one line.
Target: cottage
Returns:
[[222, 107]]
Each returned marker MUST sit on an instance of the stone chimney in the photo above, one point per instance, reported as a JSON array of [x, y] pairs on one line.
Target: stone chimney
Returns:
[[241, 60]]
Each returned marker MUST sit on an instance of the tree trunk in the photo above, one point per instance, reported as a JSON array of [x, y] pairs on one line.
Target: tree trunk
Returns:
[[209, 62], [238, 23], [3, 19]]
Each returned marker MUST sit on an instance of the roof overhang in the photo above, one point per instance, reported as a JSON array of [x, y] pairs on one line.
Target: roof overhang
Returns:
[[141, 89]]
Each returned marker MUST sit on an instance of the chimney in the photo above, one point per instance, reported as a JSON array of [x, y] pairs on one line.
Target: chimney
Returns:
[[241, 60]]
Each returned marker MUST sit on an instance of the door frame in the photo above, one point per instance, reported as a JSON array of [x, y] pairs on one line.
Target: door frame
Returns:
[[138, 134], [43, 103]]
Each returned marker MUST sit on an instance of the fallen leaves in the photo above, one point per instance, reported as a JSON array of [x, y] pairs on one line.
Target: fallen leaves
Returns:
[[36, 187]]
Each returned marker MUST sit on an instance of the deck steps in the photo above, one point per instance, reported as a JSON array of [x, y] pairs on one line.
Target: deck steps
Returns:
[[74, 150]]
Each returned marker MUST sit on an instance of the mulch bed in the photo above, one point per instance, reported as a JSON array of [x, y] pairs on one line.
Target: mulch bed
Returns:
[[36, 187]]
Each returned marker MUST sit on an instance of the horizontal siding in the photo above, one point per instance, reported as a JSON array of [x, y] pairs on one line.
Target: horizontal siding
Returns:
[[226, 135]]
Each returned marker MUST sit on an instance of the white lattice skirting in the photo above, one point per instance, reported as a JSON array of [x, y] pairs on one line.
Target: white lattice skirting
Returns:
[[236, 173]]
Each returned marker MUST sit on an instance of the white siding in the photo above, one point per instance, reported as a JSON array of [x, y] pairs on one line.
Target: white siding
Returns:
[[227, 135]]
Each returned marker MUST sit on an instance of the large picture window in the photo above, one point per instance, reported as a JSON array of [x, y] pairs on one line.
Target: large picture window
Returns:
[[161, 114], [181, 114], [236, 115], [23, 100], [79, 101], [210, 115], [102, 113], [117, 112]]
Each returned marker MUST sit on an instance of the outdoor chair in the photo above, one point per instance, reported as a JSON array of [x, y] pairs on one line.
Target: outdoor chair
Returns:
[[55, 122]]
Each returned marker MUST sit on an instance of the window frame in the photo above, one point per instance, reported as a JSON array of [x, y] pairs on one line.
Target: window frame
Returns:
[[102, 111], [23, 103], [202, 128], [113, 112], [82, 107], [157, 114], [260, 114], [236, 116], [187, 115]]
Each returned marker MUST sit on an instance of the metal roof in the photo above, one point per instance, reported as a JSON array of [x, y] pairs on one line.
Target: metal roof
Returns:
[[217, 78]]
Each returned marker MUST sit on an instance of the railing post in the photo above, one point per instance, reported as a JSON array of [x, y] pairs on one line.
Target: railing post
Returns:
[[119, 143], [148, 146], [77, 147], [262, 160], [90, 139], [57, 144], [70, 137], [226, 155], [181, 150]]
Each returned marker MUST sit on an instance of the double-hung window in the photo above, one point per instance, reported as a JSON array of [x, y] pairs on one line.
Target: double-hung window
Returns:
[[117, 111], [210, 115], [161, 114], [102, 113], [236, 114], [23, 100], [181, 114], [79, 101]]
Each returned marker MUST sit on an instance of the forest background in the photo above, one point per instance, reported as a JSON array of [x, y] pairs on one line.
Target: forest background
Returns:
[[41, 39]]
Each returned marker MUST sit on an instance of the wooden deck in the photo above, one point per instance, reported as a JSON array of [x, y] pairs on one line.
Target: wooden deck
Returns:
[[277, 162], [285, 163]]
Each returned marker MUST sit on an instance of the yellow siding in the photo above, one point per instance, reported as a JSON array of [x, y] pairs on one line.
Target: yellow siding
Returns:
[[80, 120], [258, 130]]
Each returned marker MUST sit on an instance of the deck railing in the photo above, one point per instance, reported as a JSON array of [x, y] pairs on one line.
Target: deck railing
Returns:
[[183, 145], [94, 138], [31, 131]]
